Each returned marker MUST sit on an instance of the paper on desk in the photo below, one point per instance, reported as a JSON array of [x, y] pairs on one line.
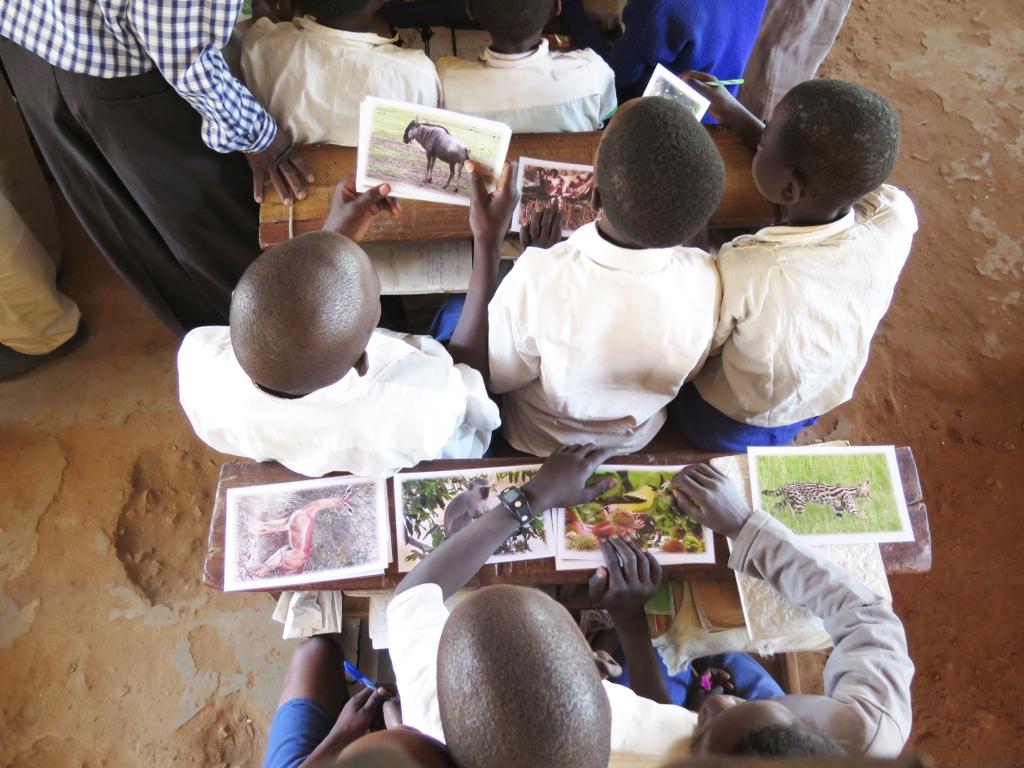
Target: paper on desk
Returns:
[[435, 266], [305, 614], [378, 616]]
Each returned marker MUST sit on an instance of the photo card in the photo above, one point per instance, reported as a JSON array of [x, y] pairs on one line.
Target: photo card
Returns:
[[832, 495], [639, 506], [544, 184], [664, 83], [422, 151], [431, 506], [305, 532]]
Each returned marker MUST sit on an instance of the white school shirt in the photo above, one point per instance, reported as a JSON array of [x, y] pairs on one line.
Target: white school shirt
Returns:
[[799, 308], [413, 404], [534, 92], [591, 341], [643, 731], [313, 78]]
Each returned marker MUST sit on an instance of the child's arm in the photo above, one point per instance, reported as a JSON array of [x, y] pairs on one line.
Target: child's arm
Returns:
[[727, 110], [490, 215], [559, 483], [623, 587]]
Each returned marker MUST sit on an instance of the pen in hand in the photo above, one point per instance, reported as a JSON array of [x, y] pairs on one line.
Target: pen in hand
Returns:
[[360, 678]]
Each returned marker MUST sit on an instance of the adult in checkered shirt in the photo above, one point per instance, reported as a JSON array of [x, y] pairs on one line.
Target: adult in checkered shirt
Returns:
[[148, 133]]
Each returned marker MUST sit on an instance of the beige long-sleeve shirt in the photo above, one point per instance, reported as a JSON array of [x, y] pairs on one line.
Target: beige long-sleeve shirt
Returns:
[[799, 308], [866, 706]]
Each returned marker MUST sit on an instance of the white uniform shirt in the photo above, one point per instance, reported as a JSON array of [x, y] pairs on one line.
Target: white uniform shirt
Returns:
[[642, 730], [799, 308], [413, 404], [534, 92], [313, 78], [591, 341]]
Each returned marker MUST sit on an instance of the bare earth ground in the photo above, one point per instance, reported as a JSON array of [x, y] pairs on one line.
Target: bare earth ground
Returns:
[[112, 654]]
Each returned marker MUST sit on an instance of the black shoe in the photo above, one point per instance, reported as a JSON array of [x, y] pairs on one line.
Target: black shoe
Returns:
[[13, 364]]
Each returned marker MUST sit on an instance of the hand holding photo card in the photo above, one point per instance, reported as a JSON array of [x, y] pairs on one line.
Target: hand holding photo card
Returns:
[[638, 506], [832, 495], [664, 83], [430, 507], [544, 184], [305, 532], [422, 152]]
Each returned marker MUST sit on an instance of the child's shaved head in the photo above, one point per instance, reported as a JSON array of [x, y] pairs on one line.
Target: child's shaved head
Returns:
[[840, 139], [517, 685], [303, 312], [659, 174], [512, 19]]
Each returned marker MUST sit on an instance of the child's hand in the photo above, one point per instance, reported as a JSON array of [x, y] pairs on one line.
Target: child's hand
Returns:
[[543, 230], [490, 213], [561, 481], [352, 213], [627, 581], [704, 494], [359, 713], [718, 682], [723, 104]]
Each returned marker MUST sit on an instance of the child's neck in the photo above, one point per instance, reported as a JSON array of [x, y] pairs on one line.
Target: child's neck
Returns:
[[812, 213], [357, 23], [610, 234], [510, 47]]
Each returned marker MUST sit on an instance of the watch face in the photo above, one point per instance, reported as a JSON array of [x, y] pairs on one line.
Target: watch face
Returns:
[[513, 499]]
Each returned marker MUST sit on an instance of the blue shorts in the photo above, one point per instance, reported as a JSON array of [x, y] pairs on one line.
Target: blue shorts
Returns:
[[710, 430], [298, 728], [443, 325], [751, 680]]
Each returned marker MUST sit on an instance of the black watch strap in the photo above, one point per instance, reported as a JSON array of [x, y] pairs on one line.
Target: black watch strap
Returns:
[[516, 503]]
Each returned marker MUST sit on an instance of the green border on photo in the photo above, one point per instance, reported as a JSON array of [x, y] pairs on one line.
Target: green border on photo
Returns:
[[881, 509]]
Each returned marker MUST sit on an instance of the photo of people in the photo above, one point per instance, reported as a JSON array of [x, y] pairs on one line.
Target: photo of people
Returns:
[[545, 184], [305, 532], [422, 151], [664, 83]]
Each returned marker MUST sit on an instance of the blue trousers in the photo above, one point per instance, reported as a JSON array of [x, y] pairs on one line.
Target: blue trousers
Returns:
[[298, 728], [710, 430]]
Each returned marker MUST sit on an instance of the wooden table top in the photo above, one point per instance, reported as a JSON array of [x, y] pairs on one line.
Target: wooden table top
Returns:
[[741, 206], [908, 557]]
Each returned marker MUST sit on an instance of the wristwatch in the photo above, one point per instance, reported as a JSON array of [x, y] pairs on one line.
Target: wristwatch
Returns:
[[516, 503]]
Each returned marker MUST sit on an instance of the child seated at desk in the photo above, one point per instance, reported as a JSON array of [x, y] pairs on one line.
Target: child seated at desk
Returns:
[[801, 302], [520, 82], [589, 340], [313, 72], [303, 377], [710, 35]]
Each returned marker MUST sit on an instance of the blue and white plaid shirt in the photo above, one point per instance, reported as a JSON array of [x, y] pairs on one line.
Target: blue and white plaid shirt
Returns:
[[119, 38]]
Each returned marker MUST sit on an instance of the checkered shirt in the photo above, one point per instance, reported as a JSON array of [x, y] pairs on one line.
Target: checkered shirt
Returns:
[[119, 38]]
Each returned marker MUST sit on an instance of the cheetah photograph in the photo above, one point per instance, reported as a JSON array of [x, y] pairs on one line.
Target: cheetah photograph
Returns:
[[832, 495]]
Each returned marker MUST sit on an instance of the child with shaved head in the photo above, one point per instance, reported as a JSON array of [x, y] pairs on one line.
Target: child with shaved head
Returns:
[[801, 302], [519, 81], [507, 678], [304, 377]]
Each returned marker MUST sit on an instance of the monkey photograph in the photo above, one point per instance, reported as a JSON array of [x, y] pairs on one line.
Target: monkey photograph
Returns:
[[431, 507]]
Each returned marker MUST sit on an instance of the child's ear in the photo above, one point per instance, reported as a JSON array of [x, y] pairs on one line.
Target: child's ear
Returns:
[[362, 365], [469, 11], [556, 9], [595, 198], [793, 188]]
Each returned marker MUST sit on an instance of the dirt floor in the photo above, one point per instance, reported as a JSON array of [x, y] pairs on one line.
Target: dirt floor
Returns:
[[113, 654]]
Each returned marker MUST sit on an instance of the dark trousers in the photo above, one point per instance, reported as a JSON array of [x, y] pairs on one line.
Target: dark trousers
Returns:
[[175, 219]]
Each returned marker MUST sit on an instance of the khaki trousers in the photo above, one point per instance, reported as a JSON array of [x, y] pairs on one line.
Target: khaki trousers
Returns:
[[35, 318]]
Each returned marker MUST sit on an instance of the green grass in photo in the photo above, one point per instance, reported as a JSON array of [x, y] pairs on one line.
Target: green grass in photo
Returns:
[[881, 513]]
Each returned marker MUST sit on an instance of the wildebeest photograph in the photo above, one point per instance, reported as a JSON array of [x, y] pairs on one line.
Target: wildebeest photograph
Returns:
[[546, 184], [431, 507], [305, 532], [422, 152]]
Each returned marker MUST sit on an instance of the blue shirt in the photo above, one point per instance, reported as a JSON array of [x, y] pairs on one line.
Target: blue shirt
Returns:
[[714, 36], [121, 38]]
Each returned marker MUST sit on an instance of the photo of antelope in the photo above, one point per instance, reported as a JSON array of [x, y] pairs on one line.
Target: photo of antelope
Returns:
[[422, 152]]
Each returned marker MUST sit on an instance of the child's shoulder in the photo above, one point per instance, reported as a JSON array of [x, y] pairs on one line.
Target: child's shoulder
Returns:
[[887, 203]]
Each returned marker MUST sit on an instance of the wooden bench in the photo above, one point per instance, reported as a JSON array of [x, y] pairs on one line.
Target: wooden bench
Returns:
[[908, 557], [741, 206]]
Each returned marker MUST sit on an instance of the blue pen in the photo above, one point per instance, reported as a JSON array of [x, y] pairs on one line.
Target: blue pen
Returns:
[[359, 677]]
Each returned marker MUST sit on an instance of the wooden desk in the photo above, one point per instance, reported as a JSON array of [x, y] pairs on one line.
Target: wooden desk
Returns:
[[741, 206], [908, 557]]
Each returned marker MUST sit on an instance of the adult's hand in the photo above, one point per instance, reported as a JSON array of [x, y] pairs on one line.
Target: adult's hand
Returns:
[[561, 481], [490, 213], [352, 213], [628, 579], [706, 495], [283, 166], [543, 230]]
